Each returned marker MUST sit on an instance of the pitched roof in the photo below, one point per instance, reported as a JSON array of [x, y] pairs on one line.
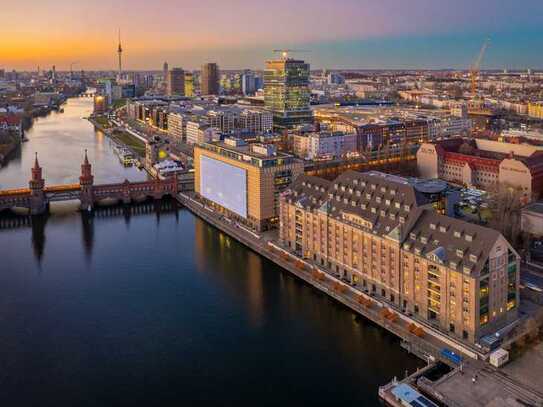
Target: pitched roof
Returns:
[[395, 209], [452, 242]]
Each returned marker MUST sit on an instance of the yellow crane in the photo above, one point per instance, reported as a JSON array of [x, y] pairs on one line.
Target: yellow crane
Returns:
[[476, 66]]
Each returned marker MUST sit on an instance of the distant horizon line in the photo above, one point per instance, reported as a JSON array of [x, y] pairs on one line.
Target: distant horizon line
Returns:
[[115, 70]]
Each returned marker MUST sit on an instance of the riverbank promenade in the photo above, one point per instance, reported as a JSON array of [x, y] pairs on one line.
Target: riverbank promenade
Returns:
[[417, 337]]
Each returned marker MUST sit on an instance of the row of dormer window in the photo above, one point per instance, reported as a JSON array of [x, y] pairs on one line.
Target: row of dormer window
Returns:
[[373, 187]]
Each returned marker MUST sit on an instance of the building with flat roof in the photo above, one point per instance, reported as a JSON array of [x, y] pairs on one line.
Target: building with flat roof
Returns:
[[485, 164], [535, 110], [323, 144], [189, 84], [380, 126], [287, 93], [244, 181], [175, 83], [383, 234], [209, 79], [100, 104]]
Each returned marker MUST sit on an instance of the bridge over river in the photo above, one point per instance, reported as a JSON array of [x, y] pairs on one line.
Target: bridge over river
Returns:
[[37, 196]]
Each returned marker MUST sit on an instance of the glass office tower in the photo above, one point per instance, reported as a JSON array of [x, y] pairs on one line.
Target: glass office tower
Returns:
[[286, 92]]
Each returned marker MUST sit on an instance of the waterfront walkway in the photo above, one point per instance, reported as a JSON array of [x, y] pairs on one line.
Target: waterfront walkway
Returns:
[[422, 341], [417, 338]]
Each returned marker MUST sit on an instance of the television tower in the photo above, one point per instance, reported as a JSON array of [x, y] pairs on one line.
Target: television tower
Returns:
[[120, 53]]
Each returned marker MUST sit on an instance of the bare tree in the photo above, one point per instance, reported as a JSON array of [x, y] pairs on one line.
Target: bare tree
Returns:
[[506, 205]]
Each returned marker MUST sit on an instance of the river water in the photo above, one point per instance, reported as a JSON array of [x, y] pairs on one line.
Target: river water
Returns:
[[149, 305]]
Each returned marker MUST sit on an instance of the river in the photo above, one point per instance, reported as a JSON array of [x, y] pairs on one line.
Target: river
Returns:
[[149, 305]]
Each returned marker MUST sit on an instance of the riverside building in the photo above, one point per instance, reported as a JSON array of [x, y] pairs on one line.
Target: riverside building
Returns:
[[244, 181], [385, 236]]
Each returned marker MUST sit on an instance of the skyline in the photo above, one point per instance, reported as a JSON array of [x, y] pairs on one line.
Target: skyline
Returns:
[[343, 34]]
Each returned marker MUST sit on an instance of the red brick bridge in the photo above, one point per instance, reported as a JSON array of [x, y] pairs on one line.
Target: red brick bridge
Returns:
[[38, 196]]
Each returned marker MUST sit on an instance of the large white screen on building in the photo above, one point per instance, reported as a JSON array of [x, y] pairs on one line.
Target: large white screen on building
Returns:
[[224, 184]]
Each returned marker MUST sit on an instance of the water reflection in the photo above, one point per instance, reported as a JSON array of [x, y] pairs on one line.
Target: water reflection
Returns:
[[65, 211], [38, 236], [87, 229], [180, 305]]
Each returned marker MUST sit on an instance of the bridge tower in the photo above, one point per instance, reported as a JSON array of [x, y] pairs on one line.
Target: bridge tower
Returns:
[[38, 200], [86, 182]]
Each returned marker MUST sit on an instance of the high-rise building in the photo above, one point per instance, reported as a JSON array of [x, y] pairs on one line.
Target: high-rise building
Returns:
[[189, 84], [165, 70], [248, 83], [286, 92], [209, 80], [176, 82]]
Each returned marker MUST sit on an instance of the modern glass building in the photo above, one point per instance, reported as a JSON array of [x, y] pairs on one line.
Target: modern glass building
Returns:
[[286, 92]]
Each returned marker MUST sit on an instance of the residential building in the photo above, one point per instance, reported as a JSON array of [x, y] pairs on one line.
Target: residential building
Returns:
[[485, 164], [255, 120], [201, 132], [383, 235], [177, 126], [287, 93], [324, 144], [12, 124], [244, 181]]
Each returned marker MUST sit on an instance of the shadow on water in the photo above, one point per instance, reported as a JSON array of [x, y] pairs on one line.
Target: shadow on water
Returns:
[[10, 220]]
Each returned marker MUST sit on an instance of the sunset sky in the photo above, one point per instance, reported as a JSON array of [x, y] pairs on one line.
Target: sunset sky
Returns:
[[242, 33]]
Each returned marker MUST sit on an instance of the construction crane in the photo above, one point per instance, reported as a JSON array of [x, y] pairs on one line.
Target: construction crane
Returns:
[[284, 52], [476, 67]]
